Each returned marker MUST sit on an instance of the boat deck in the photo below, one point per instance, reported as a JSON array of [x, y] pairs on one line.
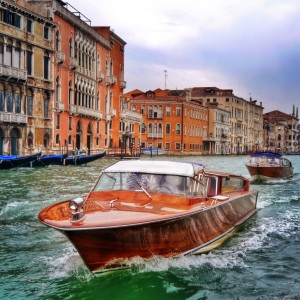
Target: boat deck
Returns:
[[123, 208]]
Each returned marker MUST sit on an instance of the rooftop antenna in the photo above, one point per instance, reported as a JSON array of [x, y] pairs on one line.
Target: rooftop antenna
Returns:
[[165, 79]]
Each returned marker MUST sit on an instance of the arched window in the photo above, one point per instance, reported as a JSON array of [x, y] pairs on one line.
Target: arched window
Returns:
[[29, 60], [9, 99], [46, 64], [168, 129], [57, 91], [279, 137], [17, 56], [2, 99], [46, 104], [30, 140], [46, 140], [150, 111], [1, 50], [29, 102], [71, 47], [17, 100], [159, 129], [8, 53], [57, 40], [70, 93], [70, 139], [57, 139]]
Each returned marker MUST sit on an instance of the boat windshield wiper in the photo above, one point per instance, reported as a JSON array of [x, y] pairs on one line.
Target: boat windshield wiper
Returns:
[[144, 190]]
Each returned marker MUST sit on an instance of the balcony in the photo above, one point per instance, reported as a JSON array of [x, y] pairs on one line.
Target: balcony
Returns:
[[123, 84], [132, 116], [60, 106], [13, 72], [156, 116], [60, 57], [13, 118], [78, 110], [100, 76], [155, 135], [209, 139], [73, 63], [111, 79]]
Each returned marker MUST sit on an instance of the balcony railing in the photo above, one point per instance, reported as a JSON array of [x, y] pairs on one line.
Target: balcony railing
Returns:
[[73, 63], [13, 72], [100, 76], [123, 84], [111, 79], [13, 118], [60, 57], [155, 115], [60, 106], [130, 115], [78, 110], [155, 135]]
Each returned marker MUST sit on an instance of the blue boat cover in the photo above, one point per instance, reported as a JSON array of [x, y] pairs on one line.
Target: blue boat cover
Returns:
[[266, 154]]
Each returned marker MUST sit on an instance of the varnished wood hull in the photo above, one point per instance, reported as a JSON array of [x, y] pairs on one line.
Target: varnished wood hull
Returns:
[[104, 249], [269, 172]]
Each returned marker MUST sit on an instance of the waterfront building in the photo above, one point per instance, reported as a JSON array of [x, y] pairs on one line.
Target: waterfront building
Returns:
[[170, 121], [26, 79], [281, 131], [246, 116], [88, 79], [218, 140]]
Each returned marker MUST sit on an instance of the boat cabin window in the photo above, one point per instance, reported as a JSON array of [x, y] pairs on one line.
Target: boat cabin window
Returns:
[[265, 159], [157, 183], [212, 186], [198, 187], [230, 184]]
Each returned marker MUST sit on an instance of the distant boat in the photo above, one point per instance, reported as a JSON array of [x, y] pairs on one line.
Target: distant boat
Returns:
[[14, 161], [153, 151], [268, 165], [81, 159], [146, 208]]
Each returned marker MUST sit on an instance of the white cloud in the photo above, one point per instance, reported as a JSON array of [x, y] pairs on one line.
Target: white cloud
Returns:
[[243, 45]]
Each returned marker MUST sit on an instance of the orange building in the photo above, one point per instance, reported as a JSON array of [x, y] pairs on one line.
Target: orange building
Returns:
[[88, 79], [170, 121]]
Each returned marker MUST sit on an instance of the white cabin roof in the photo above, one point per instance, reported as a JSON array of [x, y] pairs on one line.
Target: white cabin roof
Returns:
[[156, 167]]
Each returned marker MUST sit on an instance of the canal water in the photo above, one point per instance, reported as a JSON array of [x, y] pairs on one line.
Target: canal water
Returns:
[[261, 261]]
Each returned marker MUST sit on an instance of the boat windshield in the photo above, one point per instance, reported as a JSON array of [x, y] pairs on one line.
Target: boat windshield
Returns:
[[265, 159], [152, 183]]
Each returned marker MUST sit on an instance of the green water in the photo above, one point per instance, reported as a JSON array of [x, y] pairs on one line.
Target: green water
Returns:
[[261, 261]]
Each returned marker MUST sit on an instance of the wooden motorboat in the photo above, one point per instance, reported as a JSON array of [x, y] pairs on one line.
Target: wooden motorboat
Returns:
[[81, 159], [268, 165], [147, 208], [13, 161]]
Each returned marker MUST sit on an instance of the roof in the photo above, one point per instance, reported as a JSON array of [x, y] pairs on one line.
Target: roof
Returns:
[[266, 154], [157, 167]]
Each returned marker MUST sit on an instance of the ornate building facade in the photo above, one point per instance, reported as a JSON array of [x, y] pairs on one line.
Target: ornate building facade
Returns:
[[281, 131], [26, 79], [170, 122], [246, 116]]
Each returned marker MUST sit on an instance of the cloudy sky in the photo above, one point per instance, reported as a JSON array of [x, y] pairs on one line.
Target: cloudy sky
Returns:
[[252, 47]]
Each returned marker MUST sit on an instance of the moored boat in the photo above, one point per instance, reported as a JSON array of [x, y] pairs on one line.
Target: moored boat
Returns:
[[48, 159], [13, 161], [81, 159], [153, 151], [268, 165], [147, 208]]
